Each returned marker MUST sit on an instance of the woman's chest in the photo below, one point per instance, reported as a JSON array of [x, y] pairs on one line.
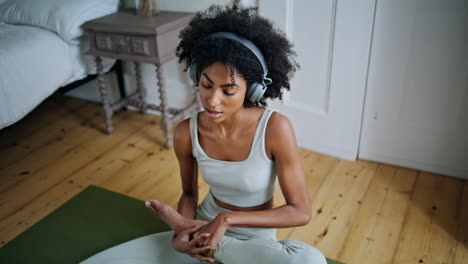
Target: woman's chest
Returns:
[[227, 149]]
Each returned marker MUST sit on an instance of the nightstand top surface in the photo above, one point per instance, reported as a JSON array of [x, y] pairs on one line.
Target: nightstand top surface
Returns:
[[127, 21]]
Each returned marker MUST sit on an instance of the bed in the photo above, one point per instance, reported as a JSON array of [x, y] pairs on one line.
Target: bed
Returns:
[[42, 48]]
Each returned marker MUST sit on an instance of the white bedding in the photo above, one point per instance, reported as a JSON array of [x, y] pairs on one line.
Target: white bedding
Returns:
[[33, 64], [40, 50]]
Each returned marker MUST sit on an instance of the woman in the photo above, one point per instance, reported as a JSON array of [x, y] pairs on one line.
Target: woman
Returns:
[[242, 149]]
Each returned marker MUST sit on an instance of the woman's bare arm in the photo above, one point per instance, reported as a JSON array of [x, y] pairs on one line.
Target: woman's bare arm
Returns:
[[281, 143], [182, 241], [188, 170]]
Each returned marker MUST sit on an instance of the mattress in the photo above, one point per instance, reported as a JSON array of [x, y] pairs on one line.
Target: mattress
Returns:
[[33, 64]]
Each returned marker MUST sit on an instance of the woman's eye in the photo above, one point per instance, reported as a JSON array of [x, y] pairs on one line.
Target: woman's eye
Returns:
[[229, 94], [205, 86]]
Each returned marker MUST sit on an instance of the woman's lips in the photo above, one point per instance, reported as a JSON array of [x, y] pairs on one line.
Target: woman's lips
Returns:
[[213, 114]]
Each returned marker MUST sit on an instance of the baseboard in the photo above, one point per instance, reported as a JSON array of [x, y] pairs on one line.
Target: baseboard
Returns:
[[414, 164], [331, 151]]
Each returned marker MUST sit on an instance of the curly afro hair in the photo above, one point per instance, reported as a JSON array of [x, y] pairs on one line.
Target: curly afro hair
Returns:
[[276, 49]]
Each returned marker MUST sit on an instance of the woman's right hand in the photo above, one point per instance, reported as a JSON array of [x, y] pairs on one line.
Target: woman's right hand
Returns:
[[182, 243]]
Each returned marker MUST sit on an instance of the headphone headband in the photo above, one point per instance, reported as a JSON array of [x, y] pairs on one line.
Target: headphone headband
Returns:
[[247, 43]]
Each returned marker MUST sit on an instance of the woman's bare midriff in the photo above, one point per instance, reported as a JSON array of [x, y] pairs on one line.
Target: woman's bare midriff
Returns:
[[265, 206]]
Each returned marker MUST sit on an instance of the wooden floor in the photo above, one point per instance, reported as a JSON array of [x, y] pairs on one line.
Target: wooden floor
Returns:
[[364, 212]]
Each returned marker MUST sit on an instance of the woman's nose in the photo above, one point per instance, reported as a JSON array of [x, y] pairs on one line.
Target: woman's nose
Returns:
[[213, 98]]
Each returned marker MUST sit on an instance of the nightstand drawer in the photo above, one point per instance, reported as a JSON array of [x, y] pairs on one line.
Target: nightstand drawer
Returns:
[[125, 44]]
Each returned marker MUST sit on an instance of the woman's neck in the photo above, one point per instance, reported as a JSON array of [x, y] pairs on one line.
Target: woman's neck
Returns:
[[231, 125]]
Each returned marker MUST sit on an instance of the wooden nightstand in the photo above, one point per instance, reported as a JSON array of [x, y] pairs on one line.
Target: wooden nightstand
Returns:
[[140, 39]]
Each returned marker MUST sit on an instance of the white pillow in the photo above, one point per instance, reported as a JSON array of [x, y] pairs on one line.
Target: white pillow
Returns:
[[64, 17]]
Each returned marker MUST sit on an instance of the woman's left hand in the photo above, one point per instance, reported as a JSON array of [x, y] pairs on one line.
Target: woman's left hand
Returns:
[[216, 228]]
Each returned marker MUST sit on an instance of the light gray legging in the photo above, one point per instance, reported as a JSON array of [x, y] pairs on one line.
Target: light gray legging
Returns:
[[239, 245]]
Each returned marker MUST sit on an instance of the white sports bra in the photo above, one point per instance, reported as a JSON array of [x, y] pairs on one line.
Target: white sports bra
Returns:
[[246, 183]]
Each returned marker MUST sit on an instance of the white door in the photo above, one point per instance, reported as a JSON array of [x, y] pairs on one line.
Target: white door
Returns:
[[332, 39], [416, 110]]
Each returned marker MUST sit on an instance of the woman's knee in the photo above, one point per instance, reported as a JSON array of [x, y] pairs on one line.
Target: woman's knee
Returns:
[[303, 253]]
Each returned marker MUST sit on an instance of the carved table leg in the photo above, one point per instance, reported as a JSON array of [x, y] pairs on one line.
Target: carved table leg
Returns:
[[166, 123], [140, 88], [107, 109]]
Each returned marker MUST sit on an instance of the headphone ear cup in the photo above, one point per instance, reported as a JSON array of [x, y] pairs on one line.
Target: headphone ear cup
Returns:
[[256, 91], [193, 71]]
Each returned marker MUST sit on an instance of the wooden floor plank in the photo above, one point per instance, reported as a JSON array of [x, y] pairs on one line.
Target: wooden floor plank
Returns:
[[337, 202], [55, 131], [50, 111], [81, 148], [375, 232], [430, 227], [48, 154], [139, 179], [461, 251]]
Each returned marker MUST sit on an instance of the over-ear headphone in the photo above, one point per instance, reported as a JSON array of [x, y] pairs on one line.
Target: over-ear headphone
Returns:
[[255, 90]]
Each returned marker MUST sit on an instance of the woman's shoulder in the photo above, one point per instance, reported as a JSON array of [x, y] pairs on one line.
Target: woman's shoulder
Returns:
[[183, 127], [278, 122], [279, 131], [182, 138]]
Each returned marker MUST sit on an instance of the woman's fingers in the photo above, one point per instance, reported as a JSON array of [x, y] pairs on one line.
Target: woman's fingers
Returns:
[[151, 204], [194, 242], [197, 252], [206, 242], [191, 247], [202, 250], [203, 241], [211, 251], [184, 236], [153, 210], [203, 258], [190, 230], [201, 254]]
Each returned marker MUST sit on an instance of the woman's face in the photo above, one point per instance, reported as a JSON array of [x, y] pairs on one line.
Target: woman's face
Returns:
[[219, 96]]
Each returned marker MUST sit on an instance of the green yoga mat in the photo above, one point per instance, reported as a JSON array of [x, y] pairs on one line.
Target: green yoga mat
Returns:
[[92, 221]]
